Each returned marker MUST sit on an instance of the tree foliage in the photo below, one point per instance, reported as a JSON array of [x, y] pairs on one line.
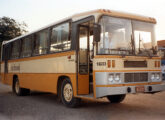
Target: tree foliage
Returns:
[[10, 28]]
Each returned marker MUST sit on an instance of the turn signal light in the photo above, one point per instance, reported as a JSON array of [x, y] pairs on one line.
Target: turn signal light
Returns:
[[109, 63], [105, 10], [157, 63], [113, 63]]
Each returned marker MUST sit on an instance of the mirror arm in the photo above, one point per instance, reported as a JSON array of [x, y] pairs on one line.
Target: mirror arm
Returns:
[[96, 32]]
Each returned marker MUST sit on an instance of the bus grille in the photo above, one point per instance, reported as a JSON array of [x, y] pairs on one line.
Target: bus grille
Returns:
[[135, 77]]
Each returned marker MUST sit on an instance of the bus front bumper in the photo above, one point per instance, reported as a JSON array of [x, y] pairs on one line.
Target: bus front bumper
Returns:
[[105, 91]]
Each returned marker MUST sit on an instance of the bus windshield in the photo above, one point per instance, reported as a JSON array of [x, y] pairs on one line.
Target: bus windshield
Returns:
[[144, 38], [126, 37]]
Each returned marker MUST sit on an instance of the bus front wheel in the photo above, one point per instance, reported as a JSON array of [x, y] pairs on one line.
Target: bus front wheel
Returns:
[[116, 98], [18, 90], [67, 94]]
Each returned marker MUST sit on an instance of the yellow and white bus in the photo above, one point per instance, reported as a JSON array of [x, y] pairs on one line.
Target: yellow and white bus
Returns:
[[95, 54]]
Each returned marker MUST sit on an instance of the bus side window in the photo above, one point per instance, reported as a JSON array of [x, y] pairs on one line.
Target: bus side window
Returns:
[[15, 49], [41, 42], [26, 47], [3, 53], [65, 36], [60, 39]]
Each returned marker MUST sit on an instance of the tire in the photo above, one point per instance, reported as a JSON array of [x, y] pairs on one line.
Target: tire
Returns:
[[67, 95], [116, 98], [18, 90]]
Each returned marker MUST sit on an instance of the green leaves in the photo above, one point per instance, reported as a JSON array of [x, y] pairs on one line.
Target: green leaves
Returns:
[[10, 28]]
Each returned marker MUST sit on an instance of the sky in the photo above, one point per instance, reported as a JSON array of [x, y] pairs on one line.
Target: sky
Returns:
[[38, 13]]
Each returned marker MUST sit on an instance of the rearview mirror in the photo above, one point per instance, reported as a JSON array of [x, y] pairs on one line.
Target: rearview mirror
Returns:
[[96, 32]]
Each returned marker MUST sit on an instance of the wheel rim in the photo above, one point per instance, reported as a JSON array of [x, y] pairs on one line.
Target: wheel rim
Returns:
[[16, 87], [68, 92]]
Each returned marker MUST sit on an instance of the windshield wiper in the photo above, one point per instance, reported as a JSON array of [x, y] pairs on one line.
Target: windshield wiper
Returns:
[[132, 44], [139, 43]]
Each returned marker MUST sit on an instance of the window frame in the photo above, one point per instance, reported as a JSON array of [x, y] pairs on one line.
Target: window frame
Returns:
[[19, 42], [132, 35], [69, 36], [3, 53], [6, 52], [21, 51], [48, 41], [97, 44]]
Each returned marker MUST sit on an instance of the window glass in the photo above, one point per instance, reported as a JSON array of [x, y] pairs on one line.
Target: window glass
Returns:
[[26, 47], [144, 37], [41, 42], [60, 38], [15, 49], [83, 45], [115, 36]]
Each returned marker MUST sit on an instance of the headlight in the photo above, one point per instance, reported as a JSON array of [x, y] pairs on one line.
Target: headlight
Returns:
[[152, 76], [117, 77], [111, 77], [114, 78], [155, 76]]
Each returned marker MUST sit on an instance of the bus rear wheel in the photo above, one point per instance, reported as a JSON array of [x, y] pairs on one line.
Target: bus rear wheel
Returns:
[[116, 98], [67, 95], [18, 90]]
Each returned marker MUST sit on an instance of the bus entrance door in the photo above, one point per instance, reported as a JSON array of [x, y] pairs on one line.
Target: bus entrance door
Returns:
[[83, 60], [82, 35]]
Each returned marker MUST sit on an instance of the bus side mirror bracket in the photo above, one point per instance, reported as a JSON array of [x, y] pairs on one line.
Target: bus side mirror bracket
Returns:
[[96, 32]]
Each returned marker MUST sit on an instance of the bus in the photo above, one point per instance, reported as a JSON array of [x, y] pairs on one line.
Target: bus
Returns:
[[95, 54]]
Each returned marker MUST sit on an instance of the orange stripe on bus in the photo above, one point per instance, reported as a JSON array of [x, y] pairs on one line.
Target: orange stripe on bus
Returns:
[[135, 84], [126, 70], [134, 57]]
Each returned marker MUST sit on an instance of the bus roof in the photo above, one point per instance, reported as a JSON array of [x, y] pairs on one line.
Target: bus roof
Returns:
[[118, 14], [97, 12]]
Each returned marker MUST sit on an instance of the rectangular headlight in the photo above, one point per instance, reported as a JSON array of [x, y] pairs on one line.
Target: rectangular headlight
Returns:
[[155, 77], [111, 78], [117, 77], [114, 78]]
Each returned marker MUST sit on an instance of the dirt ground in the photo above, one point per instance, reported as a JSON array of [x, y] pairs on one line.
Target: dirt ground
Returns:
[[45, 106]]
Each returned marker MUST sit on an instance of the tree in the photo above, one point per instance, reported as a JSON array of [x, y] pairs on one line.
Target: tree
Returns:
[[10, 28]]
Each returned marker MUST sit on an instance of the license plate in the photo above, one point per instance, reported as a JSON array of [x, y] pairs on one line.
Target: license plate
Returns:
[[140, 89]]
